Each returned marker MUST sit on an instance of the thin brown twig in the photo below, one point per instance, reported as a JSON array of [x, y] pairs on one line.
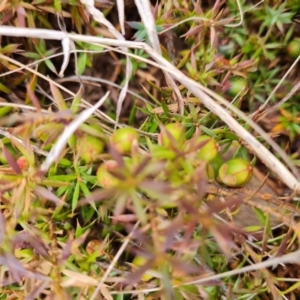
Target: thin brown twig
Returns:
[[216, 189]]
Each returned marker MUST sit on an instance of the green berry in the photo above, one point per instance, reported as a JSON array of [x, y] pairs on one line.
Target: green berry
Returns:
[[176, 131], [89, 148], [293, 48], [67, 226], [209, 148], [104, 177], [235, 172], [237, 85], [123, 138]]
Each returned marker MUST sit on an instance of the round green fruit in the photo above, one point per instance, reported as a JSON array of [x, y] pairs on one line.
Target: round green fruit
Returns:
[[176, 131], [235, 172], [293, 48], [67, 226], [123, 138], [209, 148], [104, 177], [237, 85], [90, 147]]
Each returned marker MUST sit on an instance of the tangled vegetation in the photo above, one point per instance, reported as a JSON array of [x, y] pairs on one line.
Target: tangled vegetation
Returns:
[[151, 192]]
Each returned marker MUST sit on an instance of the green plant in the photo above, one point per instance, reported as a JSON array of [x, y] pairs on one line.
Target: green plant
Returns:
[[288, 122], [209, 150], [40, 53], [166, 178], [235, 172], [293, 48], [141, 33], [104, 177], [84, 57], [237, 85], [89, 148], [124, 139], [213, 167], [172, 135]]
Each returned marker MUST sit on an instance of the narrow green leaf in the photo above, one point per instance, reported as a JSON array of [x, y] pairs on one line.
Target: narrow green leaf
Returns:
[[76, 18], [75, 196], [132, 114], [61, 190], [11, 48], [50, 65], [89, 178], [95, 47], [4, 89], [81, 63], [292, 288], [41, 46], [31, 55], [72, 141], [55, 183], [64, 177], [85, 190], [75, 106], [88, 61], [86, 193], [57, 6], [138, 206], [44, 21], [58, 98], [136, 25], [5, 110]]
